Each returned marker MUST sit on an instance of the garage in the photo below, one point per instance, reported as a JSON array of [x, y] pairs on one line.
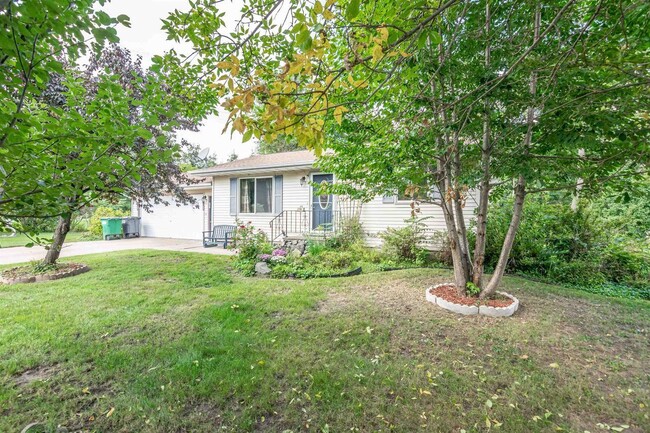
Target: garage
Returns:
[[172, 221]]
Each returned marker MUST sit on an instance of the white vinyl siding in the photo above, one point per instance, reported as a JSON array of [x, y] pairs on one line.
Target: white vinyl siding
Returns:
[[377, 215], [294, 197]]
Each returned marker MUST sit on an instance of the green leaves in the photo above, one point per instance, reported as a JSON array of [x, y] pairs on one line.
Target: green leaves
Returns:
[[124, 20], [304, 40], [352, 10]]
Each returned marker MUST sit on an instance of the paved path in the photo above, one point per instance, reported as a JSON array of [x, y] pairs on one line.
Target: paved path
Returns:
[[23, 254]]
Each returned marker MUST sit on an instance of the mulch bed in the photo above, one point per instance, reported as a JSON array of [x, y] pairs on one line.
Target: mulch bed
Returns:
[[27, 274], [449, 294]]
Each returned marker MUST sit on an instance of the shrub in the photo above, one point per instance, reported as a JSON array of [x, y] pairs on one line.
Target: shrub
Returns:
[[349, 232], [442, 252], [314, 248], [624, 266], [361, 252], [250, 242], [340, 259], [404, 243], [95, 223], [573, 247]]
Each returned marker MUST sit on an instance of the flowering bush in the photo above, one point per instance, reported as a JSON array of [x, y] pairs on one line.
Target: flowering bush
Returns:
[[251, 244], [264, 257], [279, 252], [278, 259]]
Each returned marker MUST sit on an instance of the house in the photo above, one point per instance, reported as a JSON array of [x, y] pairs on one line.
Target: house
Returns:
[[274, 192]]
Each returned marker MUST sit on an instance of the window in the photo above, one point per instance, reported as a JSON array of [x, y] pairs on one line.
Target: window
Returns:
[[255, 195]]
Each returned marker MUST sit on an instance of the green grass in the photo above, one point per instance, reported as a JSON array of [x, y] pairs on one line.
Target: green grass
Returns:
[[20, 240], [173, 342]]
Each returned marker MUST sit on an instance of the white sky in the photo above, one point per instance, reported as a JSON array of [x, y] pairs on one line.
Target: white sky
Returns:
[[146, 38]]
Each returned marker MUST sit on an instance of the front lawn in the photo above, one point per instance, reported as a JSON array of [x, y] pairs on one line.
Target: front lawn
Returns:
[[177, 342], [21, 240]]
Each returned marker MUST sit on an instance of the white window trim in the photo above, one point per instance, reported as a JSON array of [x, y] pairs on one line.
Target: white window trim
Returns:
[[239, 179]]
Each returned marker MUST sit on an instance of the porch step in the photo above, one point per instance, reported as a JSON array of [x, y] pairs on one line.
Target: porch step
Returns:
[[298, 237]]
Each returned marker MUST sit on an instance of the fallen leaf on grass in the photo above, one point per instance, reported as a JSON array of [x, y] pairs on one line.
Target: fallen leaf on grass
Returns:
[[554, 365], [110, 412]]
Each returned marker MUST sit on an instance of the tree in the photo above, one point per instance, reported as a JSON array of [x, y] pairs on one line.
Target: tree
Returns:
[[140, 166], [191, 160], [38, 40], [232, 157], [455, 96], [281, 143]]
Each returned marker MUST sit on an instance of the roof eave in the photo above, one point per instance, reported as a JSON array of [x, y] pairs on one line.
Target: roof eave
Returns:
[[251, 169]]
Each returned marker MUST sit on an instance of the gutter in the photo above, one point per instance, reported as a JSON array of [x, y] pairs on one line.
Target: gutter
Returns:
[[244, 169]]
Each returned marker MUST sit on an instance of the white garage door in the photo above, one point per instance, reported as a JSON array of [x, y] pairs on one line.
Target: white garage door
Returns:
[[179, 222]]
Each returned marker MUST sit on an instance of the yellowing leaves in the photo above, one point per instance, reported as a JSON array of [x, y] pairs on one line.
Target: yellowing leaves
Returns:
[[357, 83], [338, 113], [377, 53], [383, 33], [239, 125], [233, 65]]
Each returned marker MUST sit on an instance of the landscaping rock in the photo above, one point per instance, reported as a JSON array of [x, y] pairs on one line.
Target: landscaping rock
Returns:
[[291, 245], [470, 310], [13, 276], [430, 296], [262, 269], [500, 311]]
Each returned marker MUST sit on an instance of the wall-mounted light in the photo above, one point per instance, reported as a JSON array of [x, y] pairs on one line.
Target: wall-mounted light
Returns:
[[303, 181]]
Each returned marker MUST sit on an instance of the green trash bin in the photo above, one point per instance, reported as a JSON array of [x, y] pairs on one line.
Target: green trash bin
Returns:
[[112, 228]]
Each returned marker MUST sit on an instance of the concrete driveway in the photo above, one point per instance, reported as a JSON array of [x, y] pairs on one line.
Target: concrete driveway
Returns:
[[23, 254]]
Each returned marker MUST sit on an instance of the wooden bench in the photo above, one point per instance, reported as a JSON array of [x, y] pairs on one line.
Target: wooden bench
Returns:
[[219, 236]]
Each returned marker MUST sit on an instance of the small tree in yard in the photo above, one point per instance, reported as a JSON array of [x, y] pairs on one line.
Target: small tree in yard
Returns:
[[143, 166], [69, 136], [453, 96]]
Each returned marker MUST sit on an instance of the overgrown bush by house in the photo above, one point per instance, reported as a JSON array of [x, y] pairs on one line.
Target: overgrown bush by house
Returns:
[[350, 231], [95, 222], [404, 243]]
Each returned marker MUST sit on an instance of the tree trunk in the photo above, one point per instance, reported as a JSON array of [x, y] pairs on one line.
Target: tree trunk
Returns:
[[460, 270], [579, 183], [461, 274], [495, 281], [520, 187], [481, 217], [62, 229], [462, 236]]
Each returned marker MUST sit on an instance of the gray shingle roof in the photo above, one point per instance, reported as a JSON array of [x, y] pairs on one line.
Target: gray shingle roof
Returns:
[[273, 160]]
